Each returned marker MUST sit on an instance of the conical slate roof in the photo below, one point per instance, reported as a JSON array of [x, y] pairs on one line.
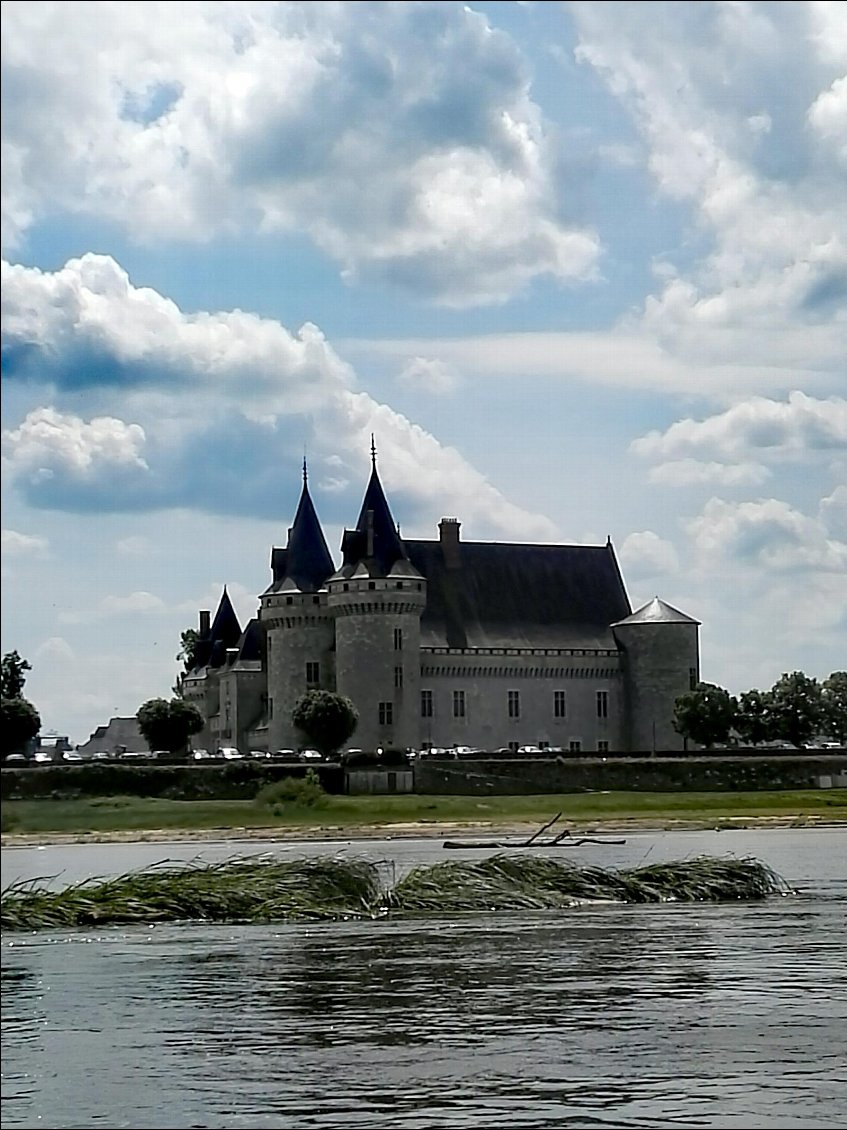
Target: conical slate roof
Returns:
[[657, 612], [375, 516], [306, 560], [225, 631]]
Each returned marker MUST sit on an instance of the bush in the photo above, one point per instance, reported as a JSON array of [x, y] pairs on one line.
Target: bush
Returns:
[[300, 792]]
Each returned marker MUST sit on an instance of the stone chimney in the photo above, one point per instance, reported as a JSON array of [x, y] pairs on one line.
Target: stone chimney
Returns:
[[448, 533], [205, 622], [231, 655]]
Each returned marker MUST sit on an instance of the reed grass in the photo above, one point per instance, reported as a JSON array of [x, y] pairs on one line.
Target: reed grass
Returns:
[[261, 889]]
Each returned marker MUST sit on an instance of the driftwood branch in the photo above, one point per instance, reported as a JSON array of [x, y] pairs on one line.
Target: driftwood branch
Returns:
[[563, 839]]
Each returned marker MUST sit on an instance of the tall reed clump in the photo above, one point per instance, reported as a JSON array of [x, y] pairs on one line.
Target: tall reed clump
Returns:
[[261, 889]]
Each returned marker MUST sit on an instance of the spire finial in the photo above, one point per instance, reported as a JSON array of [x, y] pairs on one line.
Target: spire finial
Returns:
[[305, 469], [373, 452]]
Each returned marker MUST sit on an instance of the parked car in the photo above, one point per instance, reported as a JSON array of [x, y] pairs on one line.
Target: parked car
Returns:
[[286, 754], [310, 755], [230, 753], [200, 754], [259, 754]]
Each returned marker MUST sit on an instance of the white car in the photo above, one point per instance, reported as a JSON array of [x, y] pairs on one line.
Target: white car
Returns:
[[230, 753]]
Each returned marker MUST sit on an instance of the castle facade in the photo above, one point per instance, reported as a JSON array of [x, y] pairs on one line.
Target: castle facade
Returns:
[[443, 643]]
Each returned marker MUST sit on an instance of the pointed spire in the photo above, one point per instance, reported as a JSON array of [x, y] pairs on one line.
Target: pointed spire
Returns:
[[307, 558], [376, 535], [225, 632]]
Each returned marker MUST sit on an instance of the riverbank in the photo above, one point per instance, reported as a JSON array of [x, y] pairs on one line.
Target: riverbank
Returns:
[[417, 829]]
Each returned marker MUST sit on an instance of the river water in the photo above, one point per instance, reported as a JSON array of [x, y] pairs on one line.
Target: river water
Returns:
[[606, 1016]]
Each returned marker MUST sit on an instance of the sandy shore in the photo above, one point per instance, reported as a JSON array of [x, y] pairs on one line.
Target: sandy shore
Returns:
[[422, 829]]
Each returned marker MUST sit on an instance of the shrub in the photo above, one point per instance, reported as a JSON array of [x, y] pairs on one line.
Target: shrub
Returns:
[[299, 792]]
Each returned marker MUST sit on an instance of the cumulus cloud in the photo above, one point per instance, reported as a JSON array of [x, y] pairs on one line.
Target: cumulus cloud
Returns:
[[767, 533], [430, 375], [690, 472], [759, 160], [226, 401], [401, 137], [770, 429], [23, 545], [645, 554], [833, 513]]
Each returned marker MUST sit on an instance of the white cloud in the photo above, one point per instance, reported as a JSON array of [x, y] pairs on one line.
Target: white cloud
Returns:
[[798, 427], [767, 533], [766, 190], [430, 375], [244, 376], [23, 545], [645, 554], [49, 444], [401, 137], [139, 603], [133, 546], [688, 472], [833, 513]]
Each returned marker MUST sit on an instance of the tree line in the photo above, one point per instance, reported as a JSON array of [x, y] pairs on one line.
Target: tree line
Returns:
[[797, 709]]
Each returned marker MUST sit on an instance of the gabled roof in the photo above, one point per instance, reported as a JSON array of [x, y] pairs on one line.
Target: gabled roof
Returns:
[[375, 516], [657, 612], [306, 559], [503, 595]]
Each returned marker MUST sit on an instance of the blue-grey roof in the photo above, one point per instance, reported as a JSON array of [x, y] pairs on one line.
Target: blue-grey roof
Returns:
[[387, 545], [306, 559], [225, 631], [656, 611], [504, 595]]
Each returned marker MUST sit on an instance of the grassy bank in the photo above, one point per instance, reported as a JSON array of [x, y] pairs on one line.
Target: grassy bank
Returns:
[[348, 813]]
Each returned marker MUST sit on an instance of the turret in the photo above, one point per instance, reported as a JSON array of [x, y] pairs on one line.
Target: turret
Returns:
[[297, 621], [376, 598], [661, 661]]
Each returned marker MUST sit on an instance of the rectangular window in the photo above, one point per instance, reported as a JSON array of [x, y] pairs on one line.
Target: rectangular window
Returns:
[[398, 639], [270, 708], [602, 704], [313, 674], [560, 705], [575, 745], [386, 713], [426, 704], [692, 678], [513, 700], [458, 704], [602, 747], [398, 677]]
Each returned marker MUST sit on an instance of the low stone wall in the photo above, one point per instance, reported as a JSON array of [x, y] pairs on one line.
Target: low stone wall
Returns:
[[666, 775], [379, 781]]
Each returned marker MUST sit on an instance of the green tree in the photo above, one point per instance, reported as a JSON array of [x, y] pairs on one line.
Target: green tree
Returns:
[[705, 715], [328, 720], [13, 677], [168, 725], [834, 704], [754, 719], [20, 721], [796, 707], [187, 653]]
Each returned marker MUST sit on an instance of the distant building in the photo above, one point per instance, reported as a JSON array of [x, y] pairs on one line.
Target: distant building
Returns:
[[444, 642], [119, 736]]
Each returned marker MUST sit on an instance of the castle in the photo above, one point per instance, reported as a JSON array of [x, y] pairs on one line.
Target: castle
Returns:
[[444, 643]]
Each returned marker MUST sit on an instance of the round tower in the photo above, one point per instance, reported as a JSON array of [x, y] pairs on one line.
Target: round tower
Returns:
[[377, 651], [299, 655], [376, 598], [661, 661], [299, 629]]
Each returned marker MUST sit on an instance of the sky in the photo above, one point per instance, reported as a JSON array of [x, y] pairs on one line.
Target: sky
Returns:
[[580, 268]]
